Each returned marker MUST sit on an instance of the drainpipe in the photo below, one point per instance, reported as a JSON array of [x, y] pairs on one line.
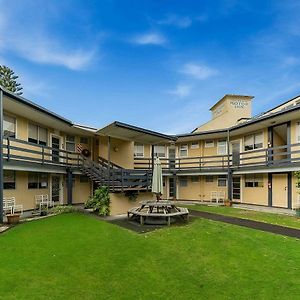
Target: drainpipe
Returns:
[[229, 171], [1, 156]]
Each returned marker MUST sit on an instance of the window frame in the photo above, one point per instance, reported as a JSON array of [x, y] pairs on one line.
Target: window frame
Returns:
[[194, 145], [135, 152], [218, 147], [193, 177], [181, 149], [15, 125], [155, 153], [298, 132], [253, 182], [70, 142], [222, 178], [206, 144], [253, 136], [38, 141], [34, 185], [12, 183]]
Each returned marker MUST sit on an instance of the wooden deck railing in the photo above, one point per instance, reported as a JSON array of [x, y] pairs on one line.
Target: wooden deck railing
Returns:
[[23, 151], [283, 155]]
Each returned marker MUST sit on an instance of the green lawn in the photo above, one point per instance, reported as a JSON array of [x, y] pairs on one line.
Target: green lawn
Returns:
[[284, 220], [74, 256]]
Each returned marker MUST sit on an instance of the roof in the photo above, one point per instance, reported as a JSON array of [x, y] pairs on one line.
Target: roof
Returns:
[[231, 95], [35, 106], [285, 102], [129, 132]]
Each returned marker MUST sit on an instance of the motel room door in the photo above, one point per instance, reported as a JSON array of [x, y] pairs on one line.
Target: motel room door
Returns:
[[235, 146], [56, 188], [280, 190], [236, 188], [55, 144]]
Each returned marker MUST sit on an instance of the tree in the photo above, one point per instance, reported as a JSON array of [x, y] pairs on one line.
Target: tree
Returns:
[[8, 80]]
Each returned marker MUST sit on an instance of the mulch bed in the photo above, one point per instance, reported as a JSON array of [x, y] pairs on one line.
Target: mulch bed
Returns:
[[277, 229]]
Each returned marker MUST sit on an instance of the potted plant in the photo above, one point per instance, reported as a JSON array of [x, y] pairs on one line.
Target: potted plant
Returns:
[[44, 212], [297, 210], [228, 202], [13, 218]]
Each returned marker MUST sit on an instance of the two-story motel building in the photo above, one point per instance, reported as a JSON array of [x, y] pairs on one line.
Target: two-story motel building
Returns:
[[249, 159]]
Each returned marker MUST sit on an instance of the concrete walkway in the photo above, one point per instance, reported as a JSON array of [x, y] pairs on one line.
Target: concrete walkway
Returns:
[[277, 229]]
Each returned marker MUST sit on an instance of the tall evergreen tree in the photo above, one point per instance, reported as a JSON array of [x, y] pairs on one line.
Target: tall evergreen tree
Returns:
[[8, 80]]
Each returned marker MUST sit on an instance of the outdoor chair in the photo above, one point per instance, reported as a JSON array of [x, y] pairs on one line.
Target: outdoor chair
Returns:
[[43, 201], [214, 197], [10, 206]]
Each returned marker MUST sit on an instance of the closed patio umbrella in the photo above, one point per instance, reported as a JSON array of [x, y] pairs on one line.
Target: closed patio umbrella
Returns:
[[157, 179]]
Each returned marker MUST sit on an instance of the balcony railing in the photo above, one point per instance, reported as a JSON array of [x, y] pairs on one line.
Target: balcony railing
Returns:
[[283, 155], [217, 162], [23, 151]]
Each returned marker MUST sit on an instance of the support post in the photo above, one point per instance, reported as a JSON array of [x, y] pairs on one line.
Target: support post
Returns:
[[289, 190], [152, 157], [69, 187], [108, 160], [229, 171], [270, 190], [175, 186], [1, 156]]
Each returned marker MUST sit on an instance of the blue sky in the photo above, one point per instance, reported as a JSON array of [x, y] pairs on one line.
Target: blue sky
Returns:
[[99, 61]]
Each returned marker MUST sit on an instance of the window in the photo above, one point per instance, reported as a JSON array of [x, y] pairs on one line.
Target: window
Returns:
[[209, 144], [209, 178], [254, 180], [37, 180], [159, 151], [298, 132], [83, 179], [138, 150], [9, 126], [183, 150], [37, 134], [253, 141], [194, 178], [70, 143], [194, 145], [183, 181], [84, 140], [9, 180], [222, 181], [222, 147]]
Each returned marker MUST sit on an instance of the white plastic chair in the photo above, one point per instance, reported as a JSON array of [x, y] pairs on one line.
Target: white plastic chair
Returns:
[[214, 196], [9, 205]]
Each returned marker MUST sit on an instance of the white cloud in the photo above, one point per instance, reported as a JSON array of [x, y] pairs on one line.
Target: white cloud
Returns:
[[175, 20], [198, 71], [181, 91], [31, 40], [151, 38]]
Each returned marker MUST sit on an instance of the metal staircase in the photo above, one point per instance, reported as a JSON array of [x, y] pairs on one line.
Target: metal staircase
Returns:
[[115, 177]]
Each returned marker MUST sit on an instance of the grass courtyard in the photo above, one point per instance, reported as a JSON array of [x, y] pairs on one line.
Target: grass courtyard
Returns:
[[73, 256]]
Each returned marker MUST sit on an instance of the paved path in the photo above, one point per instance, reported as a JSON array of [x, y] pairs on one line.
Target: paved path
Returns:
[[277, 229]]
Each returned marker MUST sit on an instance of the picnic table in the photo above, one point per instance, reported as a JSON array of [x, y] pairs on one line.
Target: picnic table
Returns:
[[158, 209]]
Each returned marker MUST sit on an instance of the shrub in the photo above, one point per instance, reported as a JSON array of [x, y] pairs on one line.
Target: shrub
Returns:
[[62, 209], [100, 202]]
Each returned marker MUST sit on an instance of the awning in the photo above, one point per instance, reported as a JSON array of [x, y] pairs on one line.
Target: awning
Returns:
[[133, 133]]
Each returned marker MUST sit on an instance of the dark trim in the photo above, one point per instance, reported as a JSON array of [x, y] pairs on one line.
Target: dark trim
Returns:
[[282, 104], [270, 189], [289, 190], [69, 187], [288, 139], [152, 157], [145, 131], [229, 184], [35, 106], [1, 156]]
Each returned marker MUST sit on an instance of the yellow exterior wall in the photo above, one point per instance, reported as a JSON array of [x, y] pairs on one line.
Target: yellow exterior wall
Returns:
[[119, 203], [24, 195], [256, 195], [121, 152]]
